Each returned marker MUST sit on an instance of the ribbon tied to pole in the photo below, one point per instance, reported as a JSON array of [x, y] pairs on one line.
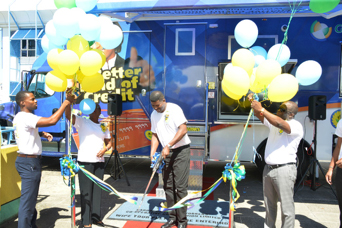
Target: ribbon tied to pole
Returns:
[[234, 173]]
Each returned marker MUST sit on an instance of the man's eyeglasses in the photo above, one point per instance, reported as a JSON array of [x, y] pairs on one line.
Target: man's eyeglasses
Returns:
[[282, 109]]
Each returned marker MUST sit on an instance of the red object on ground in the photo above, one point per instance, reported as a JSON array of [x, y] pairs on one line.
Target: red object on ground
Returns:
[[137, 224], [207, 182]]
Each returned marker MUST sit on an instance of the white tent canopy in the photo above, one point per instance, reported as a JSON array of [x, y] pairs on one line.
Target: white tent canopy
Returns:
[[29, 13]]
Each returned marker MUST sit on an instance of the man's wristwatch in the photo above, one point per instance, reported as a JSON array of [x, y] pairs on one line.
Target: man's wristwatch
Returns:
[[262, 111], [168, 145]]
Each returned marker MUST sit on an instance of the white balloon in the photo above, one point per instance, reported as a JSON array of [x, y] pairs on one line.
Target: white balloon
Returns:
[[111, 36], [227, 67], [53, 35], [78, 13], [104, 20], [86, 5], [279, 52], [47, 45], [246, 33], [258, 60], [65, 22], [90, 27], [308, 72]]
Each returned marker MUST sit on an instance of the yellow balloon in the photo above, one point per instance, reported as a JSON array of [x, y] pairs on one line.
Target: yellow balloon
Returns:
[[103, 57], [267, 71], [78, 44], [236, 80], [56, 81], [93, 83], [283, 88], [90, 63], [52, 58], [245, 59], [255, 86], [80, 76], [67, 76], [229, 93], [68, 62]]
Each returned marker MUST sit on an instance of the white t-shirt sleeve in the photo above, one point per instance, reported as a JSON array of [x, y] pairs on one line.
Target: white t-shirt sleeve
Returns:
[[107, 134], [78, 122], [266, 123], [296, 128], [180, 116], [338, 131], [32, 121], [153, 126]]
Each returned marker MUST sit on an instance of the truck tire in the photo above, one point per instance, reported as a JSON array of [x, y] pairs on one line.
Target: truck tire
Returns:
[[303, 157]]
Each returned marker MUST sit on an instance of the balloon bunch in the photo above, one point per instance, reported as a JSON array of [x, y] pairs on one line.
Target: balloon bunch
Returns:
[[67, 40], [255, 69]]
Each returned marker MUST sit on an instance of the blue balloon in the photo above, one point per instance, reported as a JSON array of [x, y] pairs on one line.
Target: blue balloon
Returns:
[[86, 5], [257, 50], [87, 106]]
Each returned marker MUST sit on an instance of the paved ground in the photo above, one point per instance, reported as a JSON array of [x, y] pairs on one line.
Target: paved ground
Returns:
[[313, 208]]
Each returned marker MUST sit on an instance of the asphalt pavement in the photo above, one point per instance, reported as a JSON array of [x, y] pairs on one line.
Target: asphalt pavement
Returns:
[[314, 208]]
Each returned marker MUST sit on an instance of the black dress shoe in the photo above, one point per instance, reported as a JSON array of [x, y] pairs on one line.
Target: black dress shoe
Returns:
[[98, 222], [182, 225], [169, 224]]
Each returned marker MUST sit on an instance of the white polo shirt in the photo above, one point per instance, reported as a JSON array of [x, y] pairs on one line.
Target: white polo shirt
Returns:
[[166, 125], [281, 148], [338, 132], [91, 139]]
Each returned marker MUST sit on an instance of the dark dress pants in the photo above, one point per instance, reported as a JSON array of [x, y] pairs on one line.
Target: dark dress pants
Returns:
[[30, 171], [338, 181], [90, 192], [175, 177]]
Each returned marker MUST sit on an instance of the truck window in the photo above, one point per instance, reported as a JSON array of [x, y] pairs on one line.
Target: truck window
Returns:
[[38, 86]]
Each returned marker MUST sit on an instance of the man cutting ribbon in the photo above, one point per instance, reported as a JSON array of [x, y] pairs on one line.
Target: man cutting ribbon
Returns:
[[168, 126]]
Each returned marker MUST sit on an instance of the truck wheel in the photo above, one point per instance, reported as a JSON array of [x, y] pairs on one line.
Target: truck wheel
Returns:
[[303, 158]]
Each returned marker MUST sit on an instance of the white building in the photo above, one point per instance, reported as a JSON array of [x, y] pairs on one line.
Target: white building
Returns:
[[21, 28]]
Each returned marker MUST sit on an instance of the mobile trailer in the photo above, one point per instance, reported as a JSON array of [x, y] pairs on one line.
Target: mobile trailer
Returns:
[[184, 58]]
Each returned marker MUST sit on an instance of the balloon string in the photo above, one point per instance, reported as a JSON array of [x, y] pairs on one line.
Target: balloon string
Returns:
[[294, 9]]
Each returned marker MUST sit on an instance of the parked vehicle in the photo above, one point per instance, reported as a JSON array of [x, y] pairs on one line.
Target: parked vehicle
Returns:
[[185, 60]]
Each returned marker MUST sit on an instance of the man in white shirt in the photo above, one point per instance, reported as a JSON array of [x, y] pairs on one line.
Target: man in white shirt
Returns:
[[280, 171], [28, 163], [168, 126], [336, 160]]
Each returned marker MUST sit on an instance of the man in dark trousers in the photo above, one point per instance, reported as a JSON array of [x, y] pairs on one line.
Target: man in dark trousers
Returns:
[[168, 126], [280, 171], [336, 161], [28, 162]]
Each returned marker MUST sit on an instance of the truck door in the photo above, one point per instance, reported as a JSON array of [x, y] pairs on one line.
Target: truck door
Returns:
[[185, 67]]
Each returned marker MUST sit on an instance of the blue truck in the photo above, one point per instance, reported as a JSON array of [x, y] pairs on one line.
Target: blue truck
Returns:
[[185, 60]]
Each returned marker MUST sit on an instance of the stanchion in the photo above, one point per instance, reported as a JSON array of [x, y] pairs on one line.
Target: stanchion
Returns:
[[231, 212], [312, 166], [117, 167]]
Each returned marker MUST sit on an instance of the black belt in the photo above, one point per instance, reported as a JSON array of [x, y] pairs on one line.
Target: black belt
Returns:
[[29, 156], [280, 165], [180, 148]]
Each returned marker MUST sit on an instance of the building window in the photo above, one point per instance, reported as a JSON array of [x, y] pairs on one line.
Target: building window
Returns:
[[28, 48]]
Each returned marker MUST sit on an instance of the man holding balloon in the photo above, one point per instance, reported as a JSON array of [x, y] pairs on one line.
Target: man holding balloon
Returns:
[[28, 162], [280, 172], [94, 138]]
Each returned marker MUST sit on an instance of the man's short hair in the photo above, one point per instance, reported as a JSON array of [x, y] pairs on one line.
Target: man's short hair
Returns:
[[293, 107], [156, 96], [21, 96]]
